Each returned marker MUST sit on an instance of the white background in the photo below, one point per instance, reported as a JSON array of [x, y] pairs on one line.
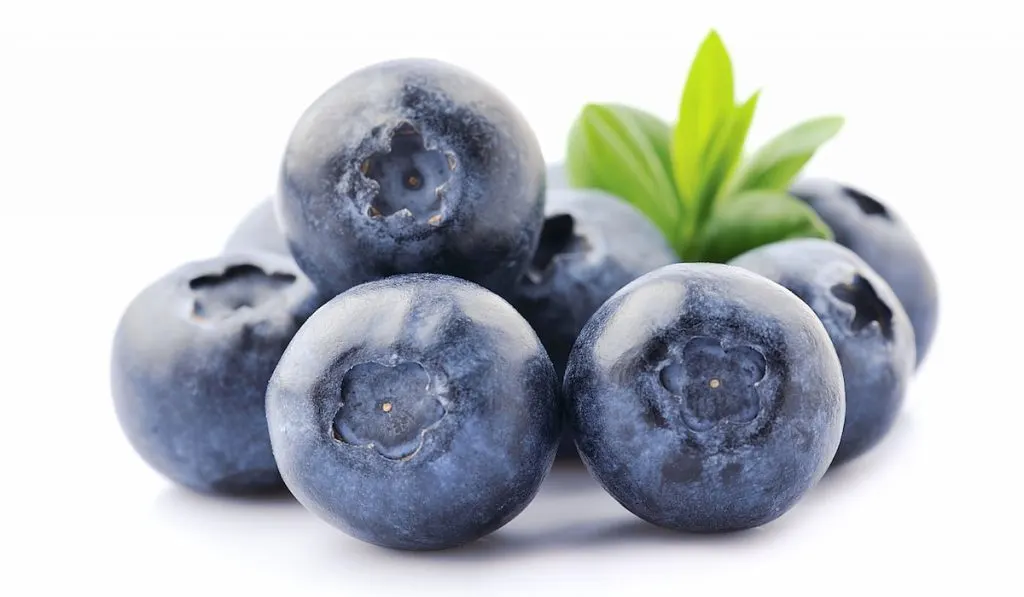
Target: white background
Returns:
[[134, 135]]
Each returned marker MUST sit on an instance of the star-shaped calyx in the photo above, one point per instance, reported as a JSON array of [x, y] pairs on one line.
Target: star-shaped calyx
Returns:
[[388, 409], [715, 385]]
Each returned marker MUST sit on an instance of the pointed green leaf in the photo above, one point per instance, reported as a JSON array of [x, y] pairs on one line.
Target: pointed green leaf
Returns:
[[706, 106], [622, 151], [724, 153], [723, 157], [775, 165], [755, 218]]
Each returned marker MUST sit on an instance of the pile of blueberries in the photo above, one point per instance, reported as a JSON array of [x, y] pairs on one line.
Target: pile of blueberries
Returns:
[[423, 317]]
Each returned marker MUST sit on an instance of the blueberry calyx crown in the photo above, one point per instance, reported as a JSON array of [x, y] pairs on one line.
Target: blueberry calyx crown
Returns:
[[388, 408], [557, 237], [867, 305], [220, 295], [715, 385], [866, 203], [411, 179]]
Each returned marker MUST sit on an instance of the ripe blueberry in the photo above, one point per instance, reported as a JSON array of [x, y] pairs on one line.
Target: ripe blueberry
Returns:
[[412, 166], [705, 398], [191, 359], [416, 412]]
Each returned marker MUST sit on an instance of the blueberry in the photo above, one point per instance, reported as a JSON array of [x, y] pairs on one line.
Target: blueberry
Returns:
[[868, 326], [705, 398], [882, 239], [592, 244], [412, 166], [258, 231], [192, 356], [415, 412]]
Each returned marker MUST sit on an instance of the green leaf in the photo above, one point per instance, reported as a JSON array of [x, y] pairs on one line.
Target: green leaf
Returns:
[[704, 111], [624, 151], [724, 153], [657, 131], [723, 157], [775, 165], [755, 218]]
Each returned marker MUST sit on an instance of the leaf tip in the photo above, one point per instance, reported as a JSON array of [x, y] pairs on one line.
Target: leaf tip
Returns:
[[588, 109], [594, 111], [714, 45], [713, 37], [835, 121]]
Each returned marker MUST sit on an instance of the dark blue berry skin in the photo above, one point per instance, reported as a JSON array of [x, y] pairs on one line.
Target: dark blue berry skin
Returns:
[[592, 244], [258, 231], [192, 356], [418, 412], [868, 326], [882, 239], [705, 398], [412, 166]]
